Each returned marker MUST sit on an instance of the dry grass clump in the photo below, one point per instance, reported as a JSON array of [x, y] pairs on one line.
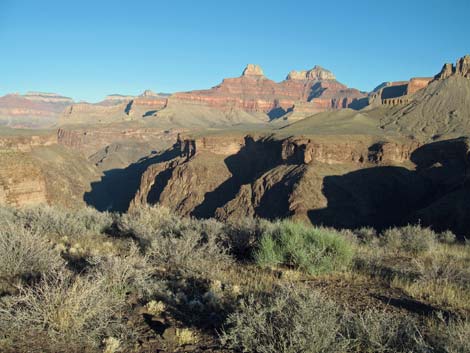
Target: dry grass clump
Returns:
[[25, 254], [298, 320], [53, 221], [185, 336], [147, 222], [290, 321], [427, 266], [131, 272], [7, 216], [379, 331], [191, 252], [444, 277], [62, 310], [178, 245], [412, 239], [453, 337], [243, 234]]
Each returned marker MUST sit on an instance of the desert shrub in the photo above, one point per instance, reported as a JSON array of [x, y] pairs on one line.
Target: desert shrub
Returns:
[[178, 245], [147, 222], [412, 239], [191, 251], [129, 272], [447, 267], [243, 234], [25, 254], [444, 278], [289, 321], [366, 235], [379, 331], [315, 250], [61, 311], [54, 221], [95, 222], [446, 237], [7, 216], [452, 337]]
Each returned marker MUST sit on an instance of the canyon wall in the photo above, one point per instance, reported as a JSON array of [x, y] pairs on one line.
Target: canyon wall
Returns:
[[336, 182], [36, 170], [399, 92], [21, 181], [91, 140]]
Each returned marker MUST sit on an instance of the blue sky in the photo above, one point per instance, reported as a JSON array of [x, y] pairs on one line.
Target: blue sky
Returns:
[[88, 49]]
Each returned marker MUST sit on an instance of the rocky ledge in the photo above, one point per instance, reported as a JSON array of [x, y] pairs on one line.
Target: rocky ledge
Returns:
[[461, 68]]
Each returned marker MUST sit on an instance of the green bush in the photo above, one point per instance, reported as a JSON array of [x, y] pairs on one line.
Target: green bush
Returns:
[[290, 321], [314, 250], [412, 239]]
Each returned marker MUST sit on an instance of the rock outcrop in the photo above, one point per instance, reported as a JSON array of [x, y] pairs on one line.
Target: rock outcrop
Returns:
[[461, 68], [253, 70], [416, 84], [317, 73], [397, 93]]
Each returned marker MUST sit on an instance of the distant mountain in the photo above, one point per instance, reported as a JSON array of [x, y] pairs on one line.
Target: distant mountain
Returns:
[[314, 90], [33, 109], [250, 98]]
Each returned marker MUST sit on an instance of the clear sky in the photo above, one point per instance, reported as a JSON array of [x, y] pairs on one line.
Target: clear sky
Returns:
[[87, 49]]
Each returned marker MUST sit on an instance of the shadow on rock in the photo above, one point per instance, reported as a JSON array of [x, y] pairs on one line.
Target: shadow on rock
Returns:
[[117, 187]]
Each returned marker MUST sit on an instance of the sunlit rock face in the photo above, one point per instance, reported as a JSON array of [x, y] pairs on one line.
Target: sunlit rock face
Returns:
[[254, 92]]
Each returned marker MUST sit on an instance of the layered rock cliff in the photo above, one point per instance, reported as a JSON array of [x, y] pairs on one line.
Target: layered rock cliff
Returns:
[[397, 93], [35, 170], [98, 143], [115, 108]]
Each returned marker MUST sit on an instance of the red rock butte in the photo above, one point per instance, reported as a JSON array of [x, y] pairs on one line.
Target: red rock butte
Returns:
[[315, 90]]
